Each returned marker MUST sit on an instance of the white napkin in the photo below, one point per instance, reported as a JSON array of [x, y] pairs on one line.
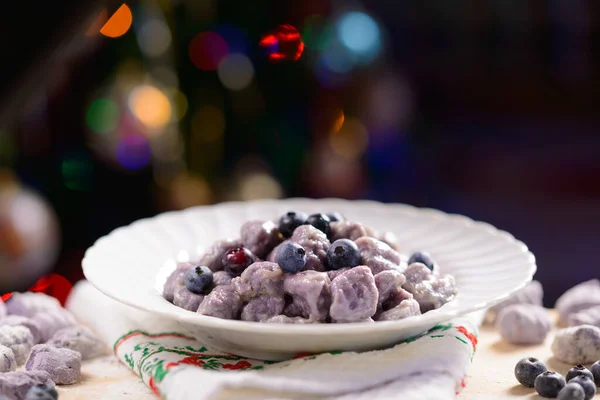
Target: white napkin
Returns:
[[176, 367]]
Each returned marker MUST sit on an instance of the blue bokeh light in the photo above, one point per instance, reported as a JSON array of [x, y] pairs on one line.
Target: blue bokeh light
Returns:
[[133, 152], [360, 34]]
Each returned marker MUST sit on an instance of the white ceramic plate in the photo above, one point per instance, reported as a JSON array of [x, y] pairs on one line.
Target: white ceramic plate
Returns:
[[131, 263]]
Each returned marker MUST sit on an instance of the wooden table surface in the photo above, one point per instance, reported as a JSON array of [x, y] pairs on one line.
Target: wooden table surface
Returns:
[[491, 375]]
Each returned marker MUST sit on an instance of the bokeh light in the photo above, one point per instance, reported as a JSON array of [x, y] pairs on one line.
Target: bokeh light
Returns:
[[188, 190], [151, 106], [154, 37], [133, 152], [351, 140], [360, 34], [77, 169], [165, 75], [235, 71], [337, 60], [208, 124], [237, 40], [102, 115], [169, 147], [316, 32], [180, 102], [339, 121], [259, 185], [207, 49], [284, 43], [119, 23]]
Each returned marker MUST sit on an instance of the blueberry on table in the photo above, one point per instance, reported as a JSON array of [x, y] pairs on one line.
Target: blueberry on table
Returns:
[[237, 260], [423, 258], [572, 391], [549, 384], [291, 257], [335, 217], [199, 279], [42, 392], [343, 253], [588, 385], [320, 221], [527, 369], [577, 371], [290, 221], [595, 370]]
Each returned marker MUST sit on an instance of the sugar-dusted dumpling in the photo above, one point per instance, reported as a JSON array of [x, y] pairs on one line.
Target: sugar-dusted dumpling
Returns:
[[221, 302], [430, 290], [62, 364], [579, 297], [260, 237], [524, 324], [7, 359], [28, 304], [533, 293], [80, 339], [577, 345], [15, 385], [378, 256], [17, 338], [310, 292], [315, 243], [353, 295], [213, 256], [589, 316], [18, 320]]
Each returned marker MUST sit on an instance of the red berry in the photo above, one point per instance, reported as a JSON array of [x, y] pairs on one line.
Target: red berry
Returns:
[[237, 260]]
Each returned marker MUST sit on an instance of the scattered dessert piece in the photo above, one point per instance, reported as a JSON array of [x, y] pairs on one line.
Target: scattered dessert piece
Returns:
[[524, 324], [18, 320], [28, 304], [577, 345], [16, 385], [353, 295], [589, 316], [80, 339], [7, 359], [19, 339], [533, 293], [580, 297], [63, 365]]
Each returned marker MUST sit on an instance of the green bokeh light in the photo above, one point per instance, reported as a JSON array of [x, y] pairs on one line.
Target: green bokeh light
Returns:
[[77, 172], [316, 33], [102, 116]]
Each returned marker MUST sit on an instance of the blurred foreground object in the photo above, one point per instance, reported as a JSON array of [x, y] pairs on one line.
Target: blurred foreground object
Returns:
[[29, 236], [284, 43]]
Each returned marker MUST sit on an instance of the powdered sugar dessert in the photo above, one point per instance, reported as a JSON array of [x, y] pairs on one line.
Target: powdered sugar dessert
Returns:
[[318, 268]]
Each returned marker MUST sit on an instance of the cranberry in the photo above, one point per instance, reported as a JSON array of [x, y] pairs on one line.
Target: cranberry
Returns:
[[237, 260]]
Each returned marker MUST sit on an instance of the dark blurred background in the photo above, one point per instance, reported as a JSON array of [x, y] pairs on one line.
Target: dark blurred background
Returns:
[[485, 108]]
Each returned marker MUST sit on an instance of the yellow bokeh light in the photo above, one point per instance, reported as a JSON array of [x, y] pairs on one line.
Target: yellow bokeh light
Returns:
[[190, 190], [150, 106], [180, 102], [351, 140], [208, 124], [119, 23], [339, 121]]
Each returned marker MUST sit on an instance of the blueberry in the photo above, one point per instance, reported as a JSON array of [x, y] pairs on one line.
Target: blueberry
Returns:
[[41, 392], [548, 384], [577, 371], [527, 369], [291, 257], [319, 221], [595, 370], [235, 261], [343, 253], [572, 391], [290, 221], [335, 217], [423, 258], [199, 279], [588, 385]]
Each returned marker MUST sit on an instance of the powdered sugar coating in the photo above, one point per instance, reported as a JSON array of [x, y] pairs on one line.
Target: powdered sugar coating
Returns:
[[18, 320], [62, 364], [28, 304], [80, 339], [259, 279], [347, 230], [430, 290], [377, 255], [310, 292], [589, 316], [52, 321], [15, 385], [579, 297], [221, 302], [406, 308], [261, 308], [221, 278], [185, 299], [7, 359], [315, 243], [353, 295], [524, 324], [19, 339], [176, 280], [577, 345], [260, 237]]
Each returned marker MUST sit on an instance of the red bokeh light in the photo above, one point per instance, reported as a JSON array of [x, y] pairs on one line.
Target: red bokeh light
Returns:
[[284, 43], [207, 50], [53, 285]]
